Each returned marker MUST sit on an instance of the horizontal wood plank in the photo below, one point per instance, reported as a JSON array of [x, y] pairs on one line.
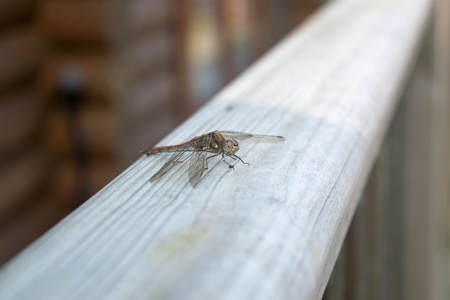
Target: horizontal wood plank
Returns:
[[142, 15], [96, 124], [21, 178], [11, 12], [23, 226], [74, 21], [21, 53], [270, 230], [27, 105]]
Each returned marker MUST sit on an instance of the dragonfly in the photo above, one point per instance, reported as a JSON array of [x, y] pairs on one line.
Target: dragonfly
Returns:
[[214, 143]]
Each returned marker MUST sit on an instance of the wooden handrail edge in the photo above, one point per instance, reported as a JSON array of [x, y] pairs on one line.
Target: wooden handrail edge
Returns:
[[270, 230]]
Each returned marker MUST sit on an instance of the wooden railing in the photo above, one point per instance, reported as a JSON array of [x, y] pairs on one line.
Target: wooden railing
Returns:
[[270, 230], [397, 246]]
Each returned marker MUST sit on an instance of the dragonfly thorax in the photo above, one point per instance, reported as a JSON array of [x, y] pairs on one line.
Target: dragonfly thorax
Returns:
[[230, 147]]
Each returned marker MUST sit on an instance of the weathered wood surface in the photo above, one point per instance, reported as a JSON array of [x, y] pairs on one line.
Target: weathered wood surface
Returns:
[[396, 246], [271, 230]]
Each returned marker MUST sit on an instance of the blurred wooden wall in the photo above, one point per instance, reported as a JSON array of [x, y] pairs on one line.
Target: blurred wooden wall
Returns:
[[86, 84], [26, 209]]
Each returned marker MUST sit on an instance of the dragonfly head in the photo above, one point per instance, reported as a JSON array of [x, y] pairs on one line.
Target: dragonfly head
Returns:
[[231, 147]]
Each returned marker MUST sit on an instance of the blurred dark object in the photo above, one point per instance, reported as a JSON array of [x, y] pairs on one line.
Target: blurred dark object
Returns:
[[70, 90], [127, 73]]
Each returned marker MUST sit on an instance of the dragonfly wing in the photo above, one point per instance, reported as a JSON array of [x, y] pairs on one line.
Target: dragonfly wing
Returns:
[[252, 138], [197, 164], [167, 166]]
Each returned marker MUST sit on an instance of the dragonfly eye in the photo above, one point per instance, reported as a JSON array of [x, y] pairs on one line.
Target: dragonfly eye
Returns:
[[231, 146]]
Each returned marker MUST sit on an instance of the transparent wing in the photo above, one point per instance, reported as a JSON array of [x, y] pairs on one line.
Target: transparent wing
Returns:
[[197, 164], [252, 138], [168, 165]]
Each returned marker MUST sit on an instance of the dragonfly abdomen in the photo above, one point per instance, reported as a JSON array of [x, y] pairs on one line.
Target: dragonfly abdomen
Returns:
[[202, 142], [154, 150]]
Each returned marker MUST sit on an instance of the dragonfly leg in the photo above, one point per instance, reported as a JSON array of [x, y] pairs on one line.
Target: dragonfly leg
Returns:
[[209, 158], [234, 156], [229, 165]]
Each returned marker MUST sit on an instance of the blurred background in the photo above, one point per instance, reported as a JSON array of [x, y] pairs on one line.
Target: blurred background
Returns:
[[86, 84]]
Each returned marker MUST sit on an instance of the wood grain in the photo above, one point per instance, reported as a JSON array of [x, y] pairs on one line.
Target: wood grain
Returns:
[[271, 230]]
